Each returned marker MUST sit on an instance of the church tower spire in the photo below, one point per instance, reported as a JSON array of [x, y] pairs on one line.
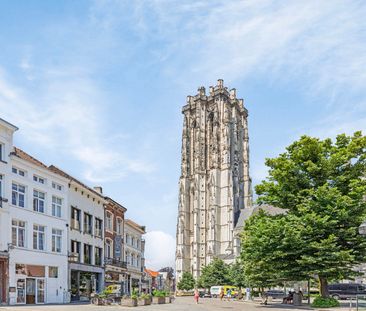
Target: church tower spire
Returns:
[[214, 185]]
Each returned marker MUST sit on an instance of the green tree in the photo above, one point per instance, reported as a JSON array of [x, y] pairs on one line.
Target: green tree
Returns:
[[270, 247], [321, 184], [215, 273], [236, 274], [187, 282]]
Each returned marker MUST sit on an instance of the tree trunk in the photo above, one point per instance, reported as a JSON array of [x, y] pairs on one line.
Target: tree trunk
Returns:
[[323, 282]]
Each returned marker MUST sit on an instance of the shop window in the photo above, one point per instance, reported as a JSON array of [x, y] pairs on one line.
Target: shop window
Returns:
[[53, 272]]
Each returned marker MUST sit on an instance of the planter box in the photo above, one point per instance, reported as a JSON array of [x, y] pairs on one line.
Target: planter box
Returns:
[[168, 299], [144, 302], [129, 302], [158, 300]]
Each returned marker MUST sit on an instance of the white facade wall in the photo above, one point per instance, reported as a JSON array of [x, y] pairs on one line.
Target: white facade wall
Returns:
[[6, 144], [133, 250], [54, 287], [88, 202]]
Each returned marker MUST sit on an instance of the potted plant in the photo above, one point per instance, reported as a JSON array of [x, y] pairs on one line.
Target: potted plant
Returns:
[[168, 298], [158, 297], [144, 300], [129, 301]]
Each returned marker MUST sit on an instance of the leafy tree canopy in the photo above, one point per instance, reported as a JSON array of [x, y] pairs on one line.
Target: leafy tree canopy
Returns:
[[215, 273], [187, 282], [321, 184]]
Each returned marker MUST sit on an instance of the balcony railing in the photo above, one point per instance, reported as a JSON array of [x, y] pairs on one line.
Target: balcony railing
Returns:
[[98, 232], [74, 257], [115, 262], [75, 224]]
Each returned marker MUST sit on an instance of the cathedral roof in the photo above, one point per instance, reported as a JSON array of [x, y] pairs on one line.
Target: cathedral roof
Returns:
[[247, 212]]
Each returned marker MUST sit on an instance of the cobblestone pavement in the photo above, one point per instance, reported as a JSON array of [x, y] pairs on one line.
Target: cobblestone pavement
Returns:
[[180, 304]]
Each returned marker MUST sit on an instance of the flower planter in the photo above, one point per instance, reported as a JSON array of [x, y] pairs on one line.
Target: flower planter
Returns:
[[158, 300], [168, 299], [129, 302], [144, 302]]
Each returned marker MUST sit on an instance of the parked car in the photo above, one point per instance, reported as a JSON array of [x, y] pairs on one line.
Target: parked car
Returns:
[[275, 293], [346, 290], [204, 294], [216, 290]]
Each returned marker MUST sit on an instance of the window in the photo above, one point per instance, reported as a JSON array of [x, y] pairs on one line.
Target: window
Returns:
[[75, 218], [132, 260], [38, 201], [108, 248], [53, 272], [98, 256], [56, 186], [18, 233], [39, 179], [109, 224], [2, 152], [1, 191], [18, 171], [138, 243], [128, 258], [87, 253], [39, 237], [133, 241], [119, 226], [18, 195], [56, 240], [98, 227], [56, 206], [75, 250], [88, 223]]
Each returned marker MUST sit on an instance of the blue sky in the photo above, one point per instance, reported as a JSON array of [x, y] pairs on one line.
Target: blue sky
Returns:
[[96, 87]]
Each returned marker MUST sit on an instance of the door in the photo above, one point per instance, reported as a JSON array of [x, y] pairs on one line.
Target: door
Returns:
[[2, 281], [31, 291], [40, 291]]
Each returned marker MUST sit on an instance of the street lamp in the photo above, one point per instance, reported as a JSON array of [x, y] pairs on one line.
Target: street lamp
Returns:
[[362, 228]]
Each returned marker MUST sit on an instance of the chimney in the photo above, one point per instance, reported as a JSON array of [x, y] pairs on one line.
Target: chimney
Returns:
[[220, 83], [99, 189]]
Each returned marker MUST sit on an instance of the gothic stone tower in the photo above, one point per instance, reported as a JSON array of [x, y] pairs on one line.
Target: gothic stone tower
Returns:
[[214, 186]]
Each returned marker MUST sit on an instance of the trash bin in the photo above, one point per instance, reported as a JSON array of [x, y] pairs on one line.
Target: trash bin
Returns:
[[297, 299]]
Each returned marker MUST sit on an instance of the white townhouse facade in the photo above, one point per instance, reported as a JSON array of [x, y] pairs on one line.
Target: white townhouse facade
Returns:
[[6, 146], [86, 238], [34, 229], [134, 255]]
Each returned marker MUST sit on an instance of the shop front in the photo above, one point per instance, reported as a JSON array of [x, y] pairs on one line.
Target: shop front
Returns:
[[30, 284], [84, 284], [4, 278]]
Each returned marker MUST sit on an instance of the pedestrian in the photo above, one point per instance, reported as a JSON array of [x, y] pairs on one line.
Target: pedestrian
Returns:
[[222, 294], [228, 294], [196, 295]]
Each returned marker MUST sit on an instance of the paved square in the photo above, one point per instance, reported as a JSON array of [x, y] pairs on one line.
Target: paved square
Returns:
[[180, 304]]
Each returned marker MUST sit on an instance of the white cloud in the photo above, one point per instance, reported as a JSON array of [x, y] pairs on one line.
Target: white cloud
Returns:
[[66, 117], [160, 250]]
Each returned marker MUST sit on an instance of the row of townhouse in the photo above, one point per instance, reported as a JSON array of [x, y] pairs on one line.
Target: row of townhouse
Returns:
[[60, 239]]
